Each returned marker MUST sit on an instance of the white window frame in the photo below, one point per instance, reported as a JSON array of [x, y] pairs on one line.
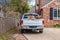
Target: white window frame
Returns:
[[57, 14]]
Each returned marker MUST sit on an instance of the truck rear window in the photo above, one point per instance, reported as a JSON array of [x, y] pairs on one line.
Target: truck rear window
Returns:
[[26, 16]]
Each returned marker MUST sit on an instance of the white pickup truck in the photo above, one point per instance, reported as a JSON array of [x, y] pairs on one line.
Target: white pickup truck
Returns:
[[31, 24]]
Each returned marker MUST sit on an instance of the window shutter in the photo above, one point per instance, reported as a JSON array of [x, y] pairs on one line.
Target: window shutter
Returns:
[[51, 13]]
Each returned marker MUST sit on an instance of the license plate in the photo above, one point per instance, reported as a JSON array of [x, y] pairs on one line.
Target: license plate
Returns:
[[32, 26]]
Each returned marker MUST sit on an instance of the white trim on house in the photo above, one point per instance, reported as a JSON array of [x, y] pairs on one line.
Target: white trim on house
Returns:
[[56, 18], [48, 3]]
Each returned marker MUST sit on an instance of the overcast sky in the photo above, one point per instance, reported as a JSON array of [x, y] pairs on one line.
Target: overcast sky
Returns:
[[31, 2]]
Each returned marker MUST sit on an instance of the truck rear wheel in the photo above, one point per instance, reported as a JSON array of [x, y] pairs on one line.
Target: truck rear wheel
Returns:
[[22, 30], [41, 31]]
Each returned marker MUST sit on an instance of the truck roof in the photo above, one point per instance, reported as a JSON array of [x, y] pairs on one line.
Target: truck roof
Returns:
[[30, 13]]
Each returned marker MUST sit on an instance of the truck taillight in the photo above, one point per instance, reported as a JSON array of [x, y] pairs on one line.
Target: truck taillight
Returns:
[[43, 22], [21, 22]]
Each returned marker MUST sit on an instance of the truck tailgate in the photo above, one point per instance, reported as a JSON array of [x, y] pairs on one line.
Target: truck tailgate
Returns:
[[35, 22]]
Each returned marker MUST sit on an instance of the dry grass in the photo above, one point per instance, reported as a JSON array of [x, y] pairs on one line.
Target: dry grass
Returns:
[[8, 35]]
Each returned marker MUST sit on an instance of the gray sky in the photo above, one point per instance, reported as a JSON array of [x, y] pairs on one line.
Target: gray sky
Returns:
[[31, 2]]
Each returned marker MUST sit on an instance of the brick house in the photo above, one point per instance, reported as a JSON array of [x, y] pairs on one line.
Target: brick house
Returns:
[[50, 11]]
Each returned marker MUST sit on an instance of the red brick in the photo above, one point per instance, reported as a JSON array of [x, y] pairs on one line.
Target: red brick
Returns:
[[46, 13]]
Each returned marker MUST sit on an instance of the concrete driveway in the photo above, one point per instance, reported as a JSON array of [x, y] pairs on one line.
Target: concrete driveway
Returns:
[[48, 34]]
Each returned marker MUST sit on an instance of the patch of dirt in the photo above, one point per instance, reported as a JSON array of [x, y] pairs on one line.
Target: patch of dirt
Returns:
[[19, 37], [13, 34]]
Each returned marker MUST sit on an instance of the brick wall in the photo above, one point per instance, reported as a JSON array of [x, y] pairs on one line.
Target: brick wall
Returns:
[[46, 15]]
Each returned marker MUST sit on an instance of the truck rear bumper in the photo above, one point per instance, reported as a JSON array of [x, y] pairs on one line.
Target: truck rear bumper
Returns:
[[27, 27]]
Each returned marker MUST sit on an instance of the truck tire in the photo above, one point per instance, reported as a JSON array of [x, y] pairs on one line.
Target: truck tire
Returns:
[[41, 31], [22, 31]]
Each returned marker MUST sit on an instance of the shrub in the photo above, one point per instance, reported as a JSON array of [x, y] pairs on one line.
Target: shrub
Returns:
[[56, 25]]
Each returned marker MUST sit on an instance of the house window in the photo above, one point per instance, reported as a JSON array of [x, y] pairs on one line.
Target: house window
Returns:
[[58, 13], [55, 13]]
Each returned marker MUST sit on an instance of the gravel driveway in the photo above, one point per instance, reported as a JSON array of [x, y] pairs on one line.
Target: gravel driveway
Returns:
[[48, 34]]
